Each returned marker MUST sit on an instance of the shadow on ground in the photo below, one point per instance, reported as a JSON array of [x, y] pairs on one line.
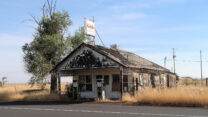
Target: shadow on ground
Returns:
[[42, 102]]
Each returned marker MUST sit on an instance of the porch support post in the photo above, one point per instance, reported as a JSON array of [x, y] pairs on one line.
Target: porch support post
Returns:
[[167, 81], [121, 80], [159, 80], [59, 83]]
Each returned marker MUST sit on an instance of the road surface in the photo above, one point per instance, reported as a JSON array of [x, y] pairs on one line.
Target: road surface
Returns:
[[97, 110]]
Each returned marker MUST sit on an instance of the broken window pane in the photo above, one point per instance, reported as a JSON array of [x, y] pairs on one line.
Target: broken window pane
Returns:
[[85, 83], [88, 79], [115, 83], [82, 79], [82, 87], [106, 80], [88, 87]]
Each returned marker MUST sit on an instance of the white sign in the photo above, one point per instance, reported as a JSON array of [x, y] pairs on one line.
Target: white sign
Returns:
[[89, 27]]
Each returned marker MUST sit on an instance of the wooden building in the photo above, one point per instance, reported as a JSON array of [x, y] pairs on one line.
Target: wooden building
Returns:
[[101, 72]]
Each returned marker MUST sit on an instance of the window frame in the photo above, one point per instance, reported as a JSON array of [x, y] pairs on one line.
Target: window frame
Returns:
[[115, 85], [106, 80], [83, 85], [125, 82]]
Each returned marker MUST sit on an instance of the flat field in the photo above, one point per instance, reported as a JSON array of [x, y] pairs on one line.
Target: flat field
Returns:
[[26, 92], [189, 94]]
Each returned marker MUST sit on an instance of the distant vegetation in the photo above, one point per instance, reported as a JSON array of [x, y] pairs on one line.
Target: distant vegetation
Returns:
[[3, 81], [189, 81]]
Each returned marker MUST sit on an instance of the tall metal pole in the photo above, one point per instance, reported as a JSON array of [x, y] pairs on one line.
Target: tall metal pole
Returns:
[[201, 65], [174, 56]]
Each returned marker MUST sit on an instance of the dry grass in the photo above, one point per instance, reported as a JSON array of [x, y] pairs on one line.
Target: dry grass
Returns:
[[24, 92], [180, 96]]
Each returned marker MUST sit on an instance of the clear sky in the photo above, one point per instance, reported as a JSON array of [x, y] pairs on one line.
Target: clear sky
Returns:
[[149, 28]]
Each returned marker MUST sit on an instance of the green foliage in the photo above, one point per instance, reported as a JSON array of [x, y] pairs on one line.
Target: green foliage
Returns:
[[50, 43], [48, 46], [79, 37]]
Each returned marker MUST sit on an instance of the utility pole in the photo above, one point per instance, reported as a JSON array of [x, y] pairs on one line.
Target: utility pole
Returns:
[[201, 65], [165, 59], [174, 56]]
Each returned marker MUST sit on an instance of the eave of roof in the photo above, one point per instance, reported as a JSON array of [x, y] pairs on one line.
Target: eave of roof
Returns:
[[118, 57], [91, 47]]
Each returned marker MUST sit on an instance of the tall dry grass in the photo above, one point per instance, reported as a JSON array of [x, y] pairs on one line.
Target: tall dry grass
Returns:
[[180, 96], [24, 92]]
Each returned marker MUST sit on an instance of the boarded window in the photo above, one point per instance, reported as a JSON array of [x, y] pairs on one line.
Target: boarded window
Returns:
[[106, 80], [125, 83], [115, 83], [85, 83]]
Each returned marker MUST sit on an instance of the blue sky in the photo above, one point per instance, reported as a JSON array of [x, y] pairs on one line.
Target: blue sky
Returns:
[[149, 28]]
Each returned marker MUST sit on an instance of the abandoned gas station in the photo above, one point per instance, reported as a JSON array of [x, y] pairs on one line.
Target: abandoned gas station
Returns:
[[101, 72]]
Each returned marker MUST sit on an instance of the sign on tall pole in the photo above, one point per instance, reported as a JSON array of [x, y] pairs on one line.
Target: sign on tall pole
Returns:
[[90, 28]]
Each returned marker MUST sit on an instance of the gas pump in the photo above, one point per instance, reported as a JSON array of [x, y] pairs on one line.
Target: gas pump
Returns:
[[75, 89], [100, 90]]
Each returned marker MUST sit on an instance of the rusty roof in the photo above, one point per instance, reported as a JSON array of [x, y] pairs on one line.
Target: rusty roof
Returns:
[[124, 58]]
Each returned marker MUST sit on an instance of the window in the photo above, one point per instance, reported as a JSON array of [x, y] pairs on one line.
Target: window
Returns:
[[106, 80], [88, 83], [85, 83], [125, 83], [152, 80], [82, 81], [115, 83]]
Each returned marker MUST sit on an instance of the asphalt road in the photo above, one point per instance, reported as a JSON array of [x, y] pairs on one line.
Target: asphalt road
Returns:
[[97, 110]]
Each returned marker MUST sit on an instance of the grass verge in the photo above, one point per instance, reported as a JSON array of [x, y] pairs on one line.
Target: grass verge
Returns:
[[180, 96]]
